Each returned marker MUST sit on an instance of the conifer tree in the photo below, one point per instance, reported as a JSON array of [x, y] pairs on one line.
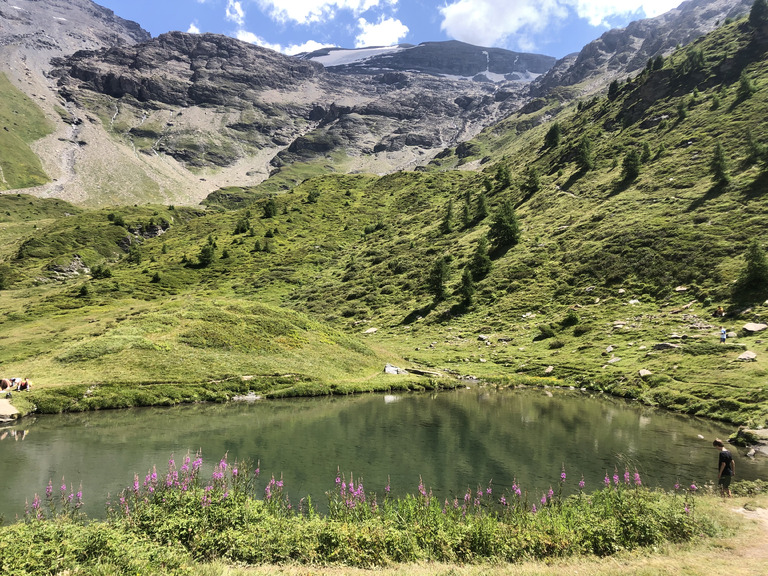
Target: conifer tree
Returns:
[[754, 277], [446, 226], [719, 165], [630, 167], [480, 264], [482, 207], [505, 230], [466, 216], [584, 155], [532, 182], [467, 288], [758, 15], [438, 276]]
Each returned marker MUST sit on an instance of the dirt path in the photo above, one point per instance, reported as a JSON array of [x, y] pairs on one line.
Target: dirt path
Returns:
[[7, 410], [758, 549]]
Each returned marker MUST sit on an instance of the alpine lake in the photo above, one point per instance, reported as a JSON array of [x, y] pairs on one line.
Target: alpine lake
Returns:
[[451, 440]]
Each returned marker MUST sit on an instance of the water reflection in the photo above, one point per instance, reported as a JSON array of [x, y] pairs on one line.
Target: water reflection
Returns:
[[452, 440]]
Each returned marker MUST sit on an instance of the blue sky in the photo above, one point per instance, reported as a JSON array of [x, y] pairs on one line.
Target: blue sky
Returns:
[[552, 27]]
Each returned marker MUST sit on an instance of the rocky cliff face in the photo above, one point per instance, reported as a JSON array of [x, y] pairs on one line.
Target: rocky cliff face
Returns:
[[55, 27], [263, 107], [622, 51]]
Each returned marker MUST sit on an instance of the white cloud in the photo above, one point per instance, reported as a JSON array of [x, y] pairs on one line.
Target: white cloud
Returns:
[[308, 46], [490, 22], [235, 12], [386, 32], [308, 11], [193, 29]]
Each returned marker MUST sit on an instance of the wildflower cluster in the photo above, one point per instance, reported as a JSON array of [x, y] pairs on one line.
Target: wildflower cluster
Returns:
[[66, 504]]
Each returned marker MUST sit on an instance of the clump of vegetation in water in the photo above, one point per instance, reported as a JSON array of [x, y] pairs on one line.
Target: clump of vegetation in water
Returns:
[[177, 518]]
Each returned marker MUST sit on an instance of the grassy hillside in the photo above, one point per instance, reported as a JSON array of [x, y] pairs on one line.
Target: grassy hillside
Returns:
[[21, 123], [630, 237]]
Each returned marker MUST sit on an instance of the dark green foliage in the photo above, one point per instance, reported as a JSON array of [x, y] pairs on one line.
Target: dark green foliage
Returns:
[[715, 102], [505, 230], [155, 278], [466, 216], [532, 182], [658, 62], [755, 150], [682, 110], [437, 277], [552, 138], [613, 89], [206, 255], [134, 254], [630, 166], [6, 276], [503, 179], [101, 271], [753, 280], [758, 15], [480, 264], [313, 196], [270, 208], [83, 292], [585, 156], [719, 165], [746, 86], [467, 288], [116, 219], [646, 154], [482, 207], [545, 331], [242, 226], [446, 225], [571, 319]]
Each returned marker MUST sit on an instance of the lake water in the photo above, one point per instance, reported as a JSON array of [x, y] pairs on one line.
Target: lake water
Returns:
[[451, 439]]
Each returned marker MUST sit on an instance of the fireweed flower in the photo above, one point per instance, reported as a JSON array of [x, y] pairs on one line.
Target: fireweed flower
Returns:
[[533, 509], [626, 475], [543, 499], [503, 501], [693, 488], [677, 485], [607, 480], [562, 474], [581, 483], [551, 493], [616, 477], [638, 482], [49, 489]]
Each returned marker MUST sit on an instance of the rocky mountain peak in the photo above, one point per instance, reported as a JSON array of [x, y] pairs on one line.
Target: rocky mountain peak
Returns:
[[622, 51]]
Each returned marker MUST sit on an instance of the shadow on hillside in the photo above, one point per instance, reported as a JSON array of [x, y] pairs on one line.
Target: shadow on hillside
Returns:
[[759, 185], [575, 177], [418, 313], [715, 191], [620, 185]]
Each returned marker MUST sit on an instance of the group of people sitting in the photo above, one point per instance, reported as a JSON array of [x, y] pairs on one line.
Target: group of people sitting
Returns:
[[9, 384]]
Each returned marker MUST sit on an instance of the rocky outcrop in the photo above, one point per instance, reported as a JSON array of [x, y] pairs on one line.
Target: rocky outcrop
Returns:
[[622, 51]]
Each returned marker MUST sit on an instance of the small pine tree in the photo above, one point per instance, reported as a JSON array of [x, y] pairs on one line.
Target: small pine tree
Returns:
[[682, 110], [585, 158], [754, 277], [206, 255], [155, 278], [630, 167], [480, 263], [503, 179], [446, 226], [552, 138], [746, 87], [466, 216], [646, 154], [438, 276], [270, 208], [532, 181], [482, 207], [467, 288], [658, 63], [505, 230], [715, 102], [613, 90], [719, 165]]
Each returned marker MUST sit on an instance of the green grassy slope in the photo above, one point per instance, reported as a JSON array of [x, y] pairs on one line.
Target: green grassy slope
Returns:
[[607, 267], [21, 122]]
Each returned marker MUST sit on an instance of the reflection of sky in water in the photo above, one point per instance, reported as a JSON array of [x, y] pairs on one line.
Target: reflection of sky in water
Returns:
[[451, 439]]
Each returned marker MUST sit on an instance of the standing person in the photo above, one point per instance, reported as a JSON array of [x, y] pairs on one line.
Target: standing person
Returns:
[[722, 335], [726, 468]]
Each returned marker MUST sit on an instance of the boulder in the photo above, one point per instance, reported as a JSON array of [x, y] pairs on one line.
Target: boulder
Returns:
[[753, 327], [644, 373], [390, 369], [665, 346], [549, 369], [747, 356], [371, 331]]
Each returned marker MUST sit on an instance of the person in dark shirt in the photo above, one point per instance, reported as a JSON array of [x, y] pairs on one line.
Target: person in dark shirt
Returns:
[[726, 468]]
